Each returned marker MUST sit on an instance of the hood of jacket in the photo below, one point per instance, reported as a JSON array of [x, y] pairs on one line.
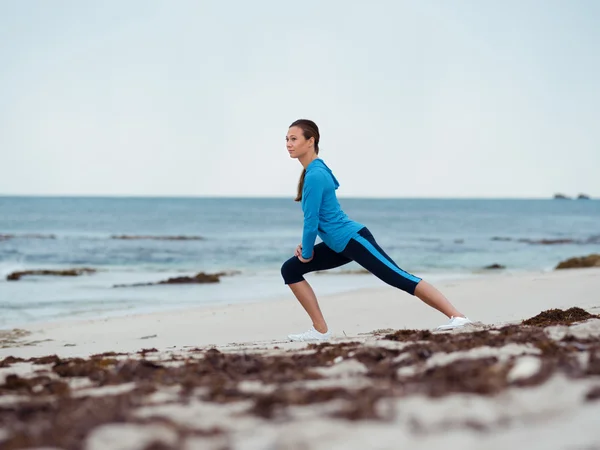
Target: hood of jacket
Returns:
[[318, 164]]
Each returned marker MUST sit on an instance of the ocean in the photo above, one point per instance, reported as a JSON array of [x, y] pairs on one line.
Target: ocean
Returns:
[[432, 238]]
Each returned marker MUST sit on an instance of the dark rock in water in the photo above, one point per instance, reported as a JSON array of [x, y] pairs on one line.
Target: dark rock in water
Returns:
[[36, 236], [559, 317], [583, 197], [199, 278], [5, 237], [61, 273], [592, 260], [549, 241], [495, 266], [159, 238], [590, 240], [561, 197], [228, 273]]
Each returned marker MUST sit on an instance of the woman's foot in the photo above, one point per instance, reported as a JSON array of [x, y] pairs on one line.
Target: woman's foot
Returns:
[[455, 322], [310, 335]]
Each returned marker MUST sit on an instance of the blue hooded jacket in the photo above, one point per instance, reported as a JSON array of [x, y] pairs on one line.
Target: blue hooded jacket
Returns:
[[323, 215]]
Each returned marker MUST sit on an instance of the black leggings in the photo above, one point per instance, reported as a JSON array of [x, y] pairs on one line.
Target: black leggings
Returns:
[[363, 249]]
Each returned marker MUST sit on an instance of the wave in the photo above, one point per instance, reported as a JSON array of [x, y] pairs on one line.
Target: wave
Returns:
[[158, 237]]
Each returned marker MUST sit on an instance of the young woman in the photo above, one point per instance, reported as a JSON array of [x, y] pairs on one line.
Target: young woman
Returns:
[[344, 240]]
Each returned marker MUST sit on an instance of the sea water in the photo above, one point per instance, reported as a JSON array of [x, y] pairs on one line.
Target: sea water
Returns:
[[432, 238]]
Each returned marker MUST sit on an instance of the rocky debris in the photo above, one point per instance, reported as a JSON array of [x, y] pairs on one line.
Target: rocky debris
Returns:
[[36, 386], [157, 238], [50, 359], [199, 278], [495, 266], [590, 240], [559, 317], [66, 422], [550, 241], [593, 394], [228, 273], [5, 237], [556, 241], [594, 362], [592, 260], [61, 273], [484, 376], [50, 413], [561, 197], [583, 197], [12, 338], [9, 360], [409, 335]]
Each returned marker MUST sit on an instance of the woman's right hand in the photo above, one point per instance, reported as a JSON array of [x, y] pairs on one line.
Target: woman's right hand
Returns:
[[298, 251]]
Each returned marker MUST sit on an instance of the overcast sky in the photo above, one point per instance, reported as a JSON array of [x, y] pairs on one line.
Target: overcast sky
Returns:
[[413, 98]]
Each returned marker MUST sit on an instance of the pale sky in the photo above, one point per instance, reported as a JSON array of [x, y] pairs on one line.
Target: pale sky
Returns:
[[433, 98]]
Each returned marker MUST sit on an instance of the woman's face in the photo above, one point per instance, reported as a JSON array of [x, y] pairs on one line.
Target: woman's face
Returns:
[[296, 144]]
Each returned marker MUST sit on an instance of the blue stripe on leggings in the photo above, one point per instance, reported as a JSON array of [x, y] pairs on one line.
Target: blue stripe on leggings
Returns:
[[361, 240]]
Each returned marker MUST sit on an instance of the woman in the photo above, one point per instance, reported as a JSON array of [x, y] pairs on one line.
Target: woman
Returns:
[[343, 240]]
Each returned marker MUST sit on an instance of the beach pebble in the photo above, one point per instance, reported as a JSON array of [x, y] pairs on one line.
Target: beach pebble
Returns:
[[525, 367]]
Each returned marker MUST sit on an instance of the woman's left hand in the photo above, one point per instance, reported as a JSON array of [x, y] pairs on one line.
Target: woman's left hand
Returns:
[[306, 260]]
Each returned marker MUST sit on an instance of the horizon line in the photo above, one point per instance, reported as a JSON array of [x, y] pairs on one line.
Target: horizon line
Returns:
[[255, 197]]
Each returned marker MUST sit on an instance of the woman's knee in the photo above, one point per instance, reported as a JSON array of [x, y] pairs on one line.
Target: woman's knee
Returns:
[[291, 271]]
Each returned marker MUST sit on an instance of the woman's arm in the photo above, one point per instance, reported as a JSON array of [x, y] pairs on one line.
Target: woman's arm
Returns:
[[312, 193]]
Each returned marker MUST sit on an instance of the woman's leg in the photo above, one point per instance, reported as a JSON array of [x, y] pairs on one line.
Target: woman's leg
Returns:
[[293, 271], [434, 298], [307, 298], [365, 251]]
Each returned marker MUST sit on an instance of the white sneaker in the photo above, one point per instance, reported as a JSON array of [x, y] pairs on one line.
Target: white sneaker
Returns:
[[310, 335], [455, 322]]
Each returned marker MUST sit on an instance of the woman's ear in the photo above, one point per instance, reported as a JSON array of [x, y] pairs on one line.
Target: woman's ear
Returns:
[[312, 142]]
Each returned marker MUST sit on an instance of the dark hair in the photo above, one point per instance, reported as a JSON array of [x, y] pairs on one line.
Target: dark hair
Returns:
[[309, 130]]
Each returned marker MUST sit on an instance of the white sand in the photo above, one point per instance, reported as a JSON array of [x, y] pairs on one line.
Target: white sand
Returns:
[[553, 415], [492, 299]]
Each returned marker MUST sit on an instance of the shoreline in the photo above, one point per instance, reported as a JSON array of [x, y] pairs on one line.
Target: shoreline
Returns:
[[322, 284], [100, 298], [349, 314]]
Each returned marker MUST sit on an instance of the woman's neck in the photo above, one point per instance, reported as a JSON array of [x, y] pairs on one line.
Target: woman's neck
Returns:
[[305, 160]]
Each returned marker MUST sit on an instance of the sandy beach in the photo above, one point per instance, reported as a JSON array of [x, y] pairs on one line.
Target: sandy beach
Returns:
[[226, 378]]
